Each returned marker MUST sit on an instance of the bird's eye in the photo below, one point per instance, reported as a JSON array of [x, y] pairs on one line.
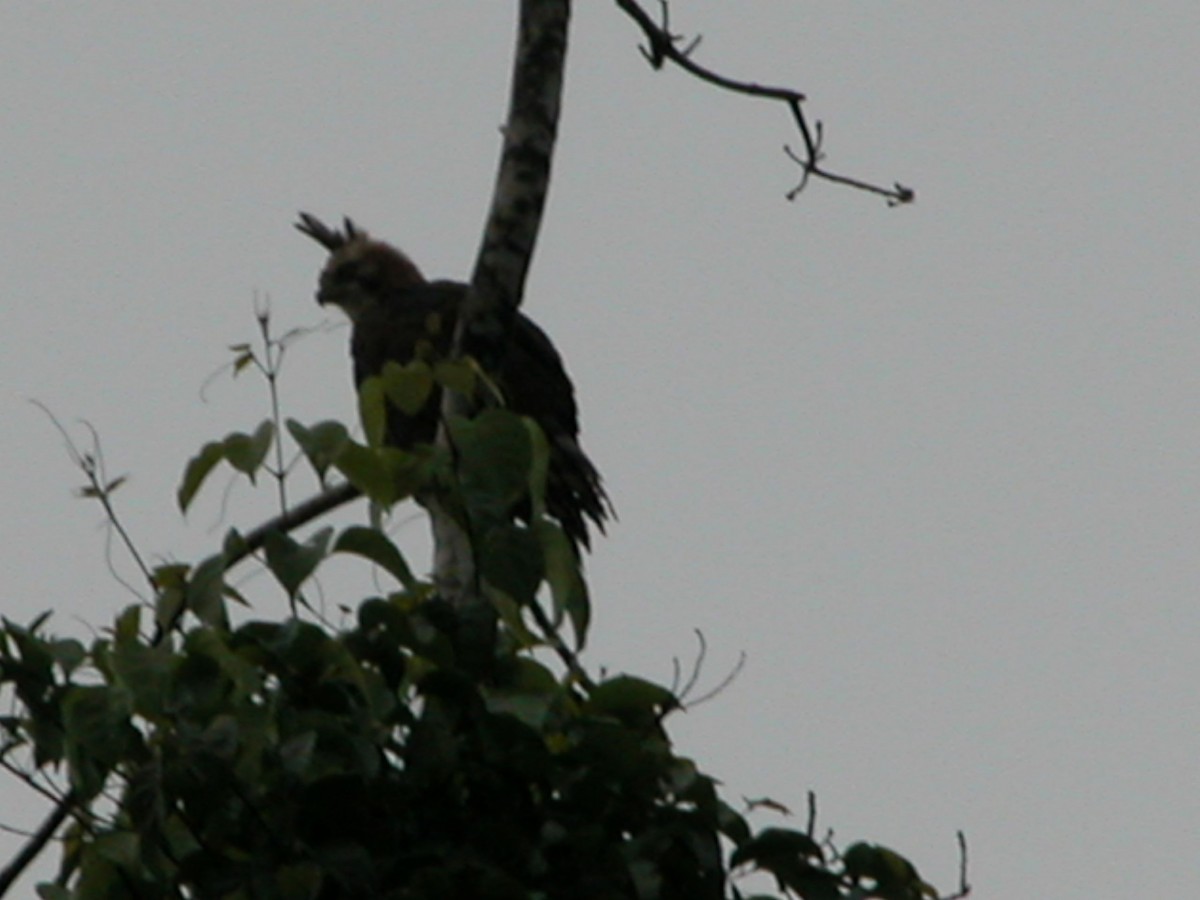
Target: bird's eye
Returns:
[[369, 278]]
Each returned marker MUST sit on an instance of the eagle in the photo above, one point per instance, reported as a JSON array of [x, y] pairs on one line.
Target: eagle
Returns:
[[394, 310]]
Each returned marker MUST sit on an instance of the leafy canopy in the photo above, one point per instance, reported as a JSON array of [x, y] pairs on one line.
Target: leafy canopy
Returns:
[[416, 751]]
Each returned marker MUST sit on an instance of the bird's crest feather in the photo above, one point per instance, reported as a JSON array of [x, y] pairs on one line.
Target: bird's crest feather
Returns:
[[330, 238]]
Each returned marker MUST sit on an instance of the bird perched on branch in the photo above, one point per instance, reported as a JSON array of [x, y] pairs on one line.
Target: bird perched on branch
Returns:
[[393, 310]]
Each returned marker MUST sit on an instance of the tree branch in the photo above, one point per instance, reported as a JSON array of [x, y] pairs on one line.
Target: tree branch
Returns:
[[37, 842], [312, 508], [664, 46], [498, 281]]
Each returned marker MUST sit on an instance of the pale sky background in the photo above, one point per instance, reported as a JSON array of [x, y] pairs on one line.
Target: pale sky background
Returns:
[[935, 469]]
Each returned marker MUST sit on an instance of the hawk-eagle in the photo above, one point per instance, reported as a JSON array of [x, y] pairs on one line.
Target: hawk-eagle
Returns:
[[393, 309]]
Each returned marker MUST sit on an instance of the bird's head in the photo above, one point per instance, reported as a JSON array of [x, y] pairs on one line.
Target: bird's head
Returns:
[[360, 271]]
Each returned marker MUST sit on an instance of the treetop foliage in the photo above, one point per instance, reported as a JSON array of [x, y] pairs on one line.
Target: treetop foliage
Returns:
[[418, 750]]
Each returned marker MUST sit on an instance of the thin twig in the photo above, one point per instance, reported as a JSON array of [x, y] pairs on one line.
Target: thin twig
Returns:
[[664, 46], [697, 666], [273, 352], [565, 653], [964, 888], [30, 781], [100, 487], [722, 684]]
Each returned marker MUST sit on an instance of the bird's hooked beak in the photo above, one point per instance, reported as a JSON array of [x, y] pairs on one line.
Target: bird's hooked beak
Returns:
[[346, 297], [330, 291], [324, 296]]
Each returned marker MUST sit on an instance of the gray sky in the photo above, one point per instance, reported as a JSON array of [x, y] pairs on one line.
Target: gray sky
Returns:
[[934, 469]]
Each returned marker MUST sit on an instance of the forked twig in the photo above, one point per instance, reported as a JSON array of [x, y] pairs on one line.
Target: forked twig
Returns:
[[665, 46]]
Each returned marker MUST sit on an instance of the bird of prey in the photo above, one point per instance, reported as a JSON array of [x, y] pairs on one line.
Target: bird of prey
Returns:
[[393, 310]]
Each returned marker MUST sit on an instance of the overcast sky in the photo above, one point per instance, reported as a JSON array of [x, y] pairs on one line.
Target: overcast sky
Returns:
[[934, 469]]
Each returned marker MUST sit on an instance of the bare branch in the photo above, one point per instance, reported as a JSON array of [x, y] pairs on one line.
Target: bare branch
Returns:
[[664, 46], [559, 646], [964, 887], [509, 237], [34, 846], [697, 666], [312, 508], [720, 687]]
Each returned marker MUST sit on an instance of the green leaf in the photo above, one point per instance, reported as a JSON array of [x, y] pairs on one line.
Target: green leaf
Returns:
[[246, 452], [98, 877], [68, 653], [794, 858], [320, 444], [568, 589], [209, 678], [372, 544], [115, 483], [386, 475], [119, 847], [144, 671], [220, 738], [205, 592], [292, 562], [98, 734], [894, 877], [539, 468], [623, 695], [646, 877], [91, 492], [511, 561], [455, 374], [170, 581], [372, 410], [528, 674], [301, 881], [242, 357], [234, 544], [128, 624], [495, 454], [36, 660], [296, 753], [408, 386], [732, 823], [366, 470], [198, 469], [772, 847], [530, 692], [512, 615]]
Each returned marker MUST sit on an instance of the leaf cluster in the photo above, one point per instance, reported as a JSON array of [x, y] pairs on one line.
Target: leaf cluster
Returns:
[[283, 760], [420, 750]]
